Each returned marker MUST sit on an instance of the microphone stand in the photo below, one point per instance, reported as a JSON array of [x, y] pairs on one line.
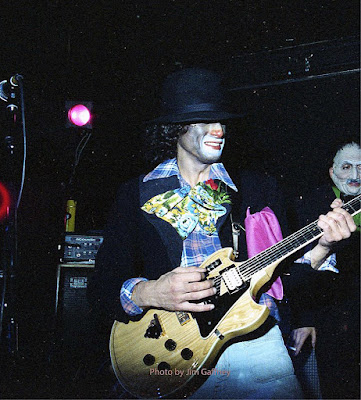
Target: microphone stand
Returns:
[[8, 324]]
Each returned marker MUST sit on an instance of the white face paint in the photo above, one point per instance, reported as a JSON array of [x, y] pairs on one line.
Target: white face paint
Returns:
[[203, 141], [346, 170]]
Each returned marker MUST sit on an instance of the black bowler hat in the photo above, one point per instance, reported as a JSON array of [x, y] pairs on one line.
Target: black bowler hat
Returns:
[[194, 94]]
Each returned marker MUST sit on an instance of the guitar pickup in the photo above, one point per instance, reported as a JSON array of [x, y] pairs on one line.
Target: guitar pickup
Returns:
[[232, 279], [154, 329]]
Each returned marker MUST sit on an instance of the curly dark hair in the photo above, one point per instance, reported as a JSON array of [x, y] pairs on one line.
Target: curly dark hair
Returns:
[[161, 142]]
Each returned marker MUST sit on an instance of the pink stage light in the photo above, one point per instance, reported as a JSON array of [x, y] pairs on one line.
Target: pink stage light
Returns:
[[79, 115]]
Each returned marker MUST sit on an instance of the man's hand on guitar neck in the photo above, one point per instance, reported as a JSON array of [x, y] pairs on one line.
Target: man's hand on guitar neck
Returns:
[[337, 225], [177, 290]]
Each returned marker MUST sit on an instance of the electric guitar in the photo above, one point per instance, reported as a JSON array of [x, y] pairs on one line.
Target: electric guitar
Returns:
[[168, 353]]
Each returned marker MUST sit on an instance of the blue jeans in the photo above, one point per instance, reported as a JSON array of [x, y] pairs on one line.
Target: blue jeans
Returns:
[[253, 369]]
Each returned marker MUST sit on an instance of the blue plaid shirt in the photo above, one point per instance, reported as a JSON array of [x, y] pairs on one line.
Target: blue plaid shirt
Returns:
[[198, 246], [328, 265]]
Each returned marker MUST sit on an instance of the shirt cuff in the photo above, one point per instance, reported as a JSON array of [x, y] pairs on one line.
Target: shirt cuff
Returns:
[[328, 265], [126, 296]]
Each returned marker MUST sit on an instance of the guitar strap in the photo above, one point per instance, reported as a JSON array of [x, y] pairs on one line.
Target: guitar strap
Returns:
[[236, 232], [235, 215]]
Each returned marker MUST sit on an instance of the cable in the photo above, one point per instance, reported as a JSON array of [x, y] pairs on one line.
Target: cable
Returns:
[[22, 102], [13, 232], [79, 149], [2, 307]]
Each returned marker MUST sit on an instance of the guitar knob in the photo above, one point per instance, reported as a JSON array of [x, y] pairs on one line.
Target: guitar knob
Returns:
[[148, 359], [170, 345], [163, 366], [187, 354]]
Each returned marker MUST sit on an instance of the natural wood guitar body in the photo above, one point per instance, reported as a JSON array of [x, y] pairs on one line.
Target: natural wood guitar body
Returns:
[[167, 353], [129, 347]]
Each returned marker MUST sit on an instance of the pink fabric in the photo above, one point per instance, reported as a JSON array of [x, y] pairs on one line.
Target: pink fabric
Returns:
[[262, 231]]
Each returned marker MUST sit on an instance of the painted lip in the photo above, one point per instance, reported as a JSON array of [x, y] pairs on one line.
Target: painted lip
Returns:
[[214, 144], [354, 183]]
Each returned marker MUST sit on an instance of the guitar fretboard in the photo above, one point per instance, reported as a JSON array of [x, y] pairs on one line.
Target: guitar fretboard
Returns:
[[290, 245]]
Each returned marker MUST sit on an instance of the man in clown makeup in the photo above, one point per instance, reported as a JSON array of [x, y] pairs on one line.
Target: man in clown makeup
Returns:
[[346, 170], [326, 301], [167, 222]]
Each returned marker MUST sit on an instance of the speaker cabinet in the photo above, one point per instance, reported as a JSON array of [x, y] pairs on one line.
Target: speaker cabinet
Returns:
[[73, 323], [80, 355]]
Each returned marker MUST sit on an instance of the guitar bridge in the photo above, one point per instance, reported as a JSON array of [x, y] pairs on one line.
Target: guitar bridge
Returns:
[[154, 329]]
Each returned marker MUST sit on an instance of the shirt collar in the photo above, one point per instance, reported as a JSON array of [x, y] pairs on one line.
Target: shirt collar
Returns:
[[170, 168]]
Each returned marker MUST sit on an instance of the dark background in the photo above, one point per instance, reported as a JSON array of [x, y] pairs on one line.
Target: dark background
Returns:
[[116, 54]]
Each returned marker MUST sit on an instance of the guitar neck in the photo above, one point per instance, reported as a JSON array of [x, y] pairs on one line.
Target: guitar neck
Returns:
[[291, 244]]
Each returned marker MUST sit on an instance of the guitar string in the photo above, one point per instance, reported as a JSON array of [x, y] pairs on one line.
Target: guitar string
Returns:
[[263, 259], [277, 250], [281, 248], [302, 236]]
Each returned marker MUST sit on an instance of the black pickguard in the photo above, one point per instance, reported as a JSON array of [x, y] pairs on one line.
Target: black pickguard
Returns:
[[209, 319]]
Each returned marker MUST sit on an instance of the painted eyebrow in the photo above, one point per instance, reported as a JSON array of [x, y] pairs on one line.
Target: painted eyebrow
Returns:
[[358, 162]]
